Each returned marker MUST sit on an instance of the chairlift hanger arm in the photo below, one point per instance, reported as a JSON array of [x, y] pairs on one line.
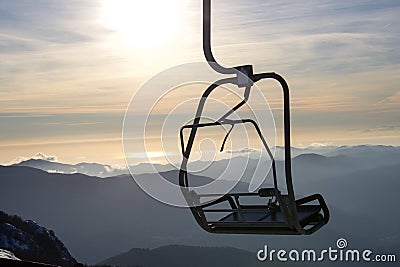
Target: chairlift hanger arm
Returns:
[[207, 41], [242, 72]]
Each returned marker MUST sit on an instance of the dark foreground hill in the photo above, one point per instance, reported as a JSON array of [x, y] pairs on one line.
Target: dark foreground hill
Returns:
[[182, 256], [31, 242]]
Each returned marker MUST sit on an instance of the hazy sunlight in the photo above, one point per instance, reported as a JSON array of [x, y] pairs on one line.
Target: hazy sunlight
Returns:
[[143, 24]]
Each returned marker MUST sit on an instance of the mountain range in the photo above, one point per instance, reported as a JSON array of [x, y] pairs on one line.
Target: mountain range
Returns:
[[98, 218], [357, 154], [91, 169]]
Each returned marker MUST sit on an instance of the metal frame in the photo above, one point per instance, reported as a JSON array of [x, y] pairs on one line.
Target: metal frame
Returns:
[[285, 205]]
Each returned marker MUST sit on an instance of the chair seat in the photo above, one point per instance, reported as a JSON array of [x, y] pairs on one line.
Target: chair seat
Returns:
[[248, 215]]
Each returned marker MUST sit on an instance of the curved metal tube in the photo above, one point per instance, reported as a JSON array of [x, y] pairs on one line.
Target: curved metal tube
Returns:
[[286, 126], [291, 206], [183, 181], [207, 41], [193, 131]]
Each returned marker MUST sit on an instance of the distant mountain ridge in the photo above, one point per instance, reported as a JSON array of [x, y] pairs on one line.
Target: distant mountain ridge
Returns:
[[372, 152], [331, 151], [310, 156], [91, 169]]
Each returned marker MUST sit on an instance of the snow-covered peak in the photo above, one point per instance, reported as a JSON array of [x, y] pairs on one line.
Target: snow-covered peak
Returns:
[[31, 241], [5, 254]]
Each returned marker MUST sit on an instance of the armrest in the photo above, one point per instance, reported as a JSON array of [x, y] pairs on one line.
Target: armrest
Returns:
[[324, 208], [268, 192]]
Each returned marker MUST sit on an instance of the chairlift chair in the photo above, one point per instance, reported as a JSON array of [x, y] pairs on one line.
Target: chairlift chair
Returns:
[[282, 214]]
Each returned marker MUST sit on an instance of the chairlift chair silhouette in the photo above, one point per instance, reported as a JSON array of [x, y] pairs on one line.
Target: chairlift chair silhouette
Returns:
[[282, 214]]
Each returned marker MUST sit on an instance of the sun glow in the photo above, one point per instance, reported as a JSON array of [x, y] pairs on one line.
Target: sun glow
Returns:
[[145, 23]]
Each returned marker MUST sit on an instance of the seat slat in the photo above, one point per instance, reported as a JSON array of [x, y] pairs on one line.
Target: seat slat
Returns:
[[303, 213]]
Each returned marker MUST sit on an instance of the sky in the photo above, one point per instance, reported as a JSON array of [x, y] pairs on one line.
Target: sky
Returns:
[[68, 69]]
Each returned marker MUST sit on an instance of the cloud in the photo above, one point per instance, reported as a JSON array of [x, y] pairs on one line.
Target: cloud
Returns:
[[47, 20], [393, 99], [108, 168], [38, 155], [338, 37], [42, 156], [320, 145], [241, 151], [382, 129]]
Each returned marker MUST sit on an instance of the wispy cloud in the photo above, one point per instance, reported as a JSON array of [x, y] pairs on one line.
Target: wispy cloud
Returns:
[[395, 129], [245, 150], [64, 76]]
